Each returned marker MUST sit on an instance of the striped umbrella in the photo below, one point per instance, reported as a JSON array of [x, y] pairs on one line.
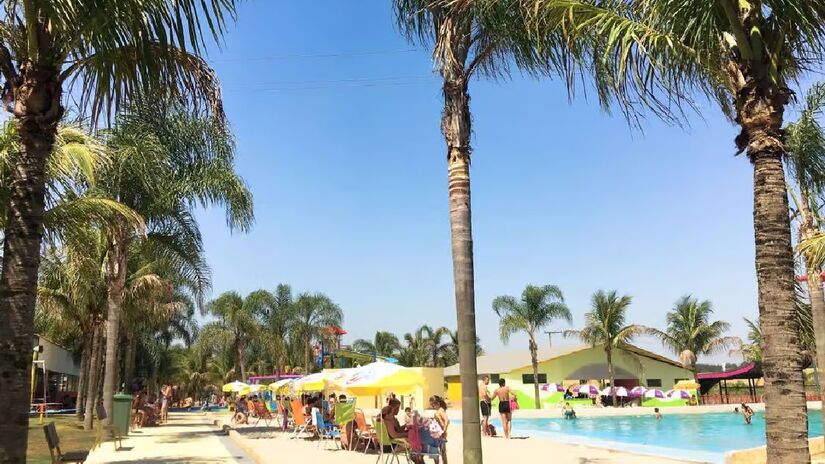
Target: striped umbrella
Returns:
[[620, 391], [654, 393], [637, 392], [552, 387], [678, 393], [587, 389]]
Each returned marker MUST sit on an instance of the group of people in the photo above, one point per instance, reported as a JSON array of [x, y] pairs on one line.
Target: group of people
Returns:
[[427, 434], [150, 409], [507, 403]]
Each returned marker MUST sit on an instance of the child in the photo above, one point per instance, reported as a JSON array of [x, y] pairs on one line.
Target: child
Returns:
[[658, 414], [568, 411], [408, 417]]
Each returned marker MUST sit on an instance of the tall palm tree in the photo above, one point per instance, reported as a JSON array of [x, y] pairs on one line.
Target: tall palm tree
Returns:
[[111, 49], [690, 333], [466, 41], [314, 312], [241, 321], [806, 168], [537, 308], [168, 158], [415, 350], [436, 347], [744, 54], [383, 344], [606, 326], [278, 319]]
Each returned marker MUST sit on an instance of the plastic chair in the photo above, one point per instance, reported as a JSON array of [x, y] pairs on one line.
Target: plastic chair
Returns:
[[326, 431], [366, 432], [394, 444]]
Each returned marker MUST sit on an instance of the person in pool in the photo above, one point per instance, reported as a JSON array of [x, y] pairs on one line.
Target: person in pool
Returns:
[[568, 411], [747, 413], [658, 414]]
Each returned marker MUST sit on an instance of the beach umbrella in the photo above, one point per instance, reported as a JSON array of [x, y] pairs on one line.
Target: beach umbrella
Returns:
[[636, 392], [654, 393], [686, 385], [552, 387], [234, 387], [311, 383], [282, 384], [678, 393], [620, 391], [249, 389], [376, 378], [587, 389]]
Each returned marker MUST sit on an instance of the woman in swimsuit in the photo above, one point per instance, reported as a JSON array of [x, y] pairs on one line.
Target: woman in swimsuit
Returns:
[[503, 395]]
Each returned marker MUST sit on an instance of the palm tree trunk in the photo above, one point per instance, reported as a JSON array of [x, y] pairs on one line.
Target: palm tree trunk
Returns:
[[93, 380], [456, 128], [241, 363], [84, 375], [786, 418], [129, 358], [611, 375], [534, 359], [38, 110], [115, 283], [808, 229]]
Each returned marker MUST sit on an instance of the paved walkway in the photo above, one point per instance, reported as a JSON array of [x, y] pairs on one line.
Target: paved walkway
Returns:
[[187, 438]]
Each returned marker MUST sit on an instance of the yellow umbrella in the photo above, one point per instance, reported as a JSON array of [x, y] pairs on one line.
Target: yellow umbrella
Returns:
[[282, 384], [311, 383], [686, 385], [251, 389], [235, 386], [376, 378]]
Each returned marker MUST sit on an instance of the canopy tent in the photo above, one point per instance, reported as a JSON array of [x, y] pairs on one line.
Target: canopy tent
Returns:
[[751, 372], [377, 378]]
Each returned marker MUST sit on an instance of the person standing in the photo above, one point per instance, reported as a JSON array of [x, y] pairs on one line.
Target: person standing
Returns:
[[503, 395], [485, 402], [166, 397]]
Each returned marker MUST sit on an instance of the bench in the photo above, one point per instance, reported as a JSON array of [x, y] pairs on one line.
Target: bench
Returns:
[[59, 456]]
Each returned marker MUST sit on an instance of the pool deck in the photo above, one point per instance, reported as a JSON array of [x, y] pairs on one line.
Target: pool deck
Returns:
[[187, 438], [262, 443]]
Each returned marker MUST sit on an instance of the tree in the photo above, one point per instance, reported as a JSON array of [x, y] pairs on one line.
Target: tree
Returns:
[[313, 313], [168, 159], [415, 351], [691, 334], [537, 308], [278, 320], [383, 344], [805, 164], [240, 320], [112, 49], [467, 41], [606, 326], [438, 350], [743, 54]]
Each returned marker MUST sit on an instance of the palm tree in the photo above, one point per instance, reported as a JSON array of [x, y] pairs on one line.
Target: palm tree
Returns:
[[451, 354], [167, 159], [806, 168], [466, 40], [743, 54], [314, 312], [437, 349], [112, 49], [537, 308], [690, 333], [606, 326], [415, 351], [240, 321], [383, 344], [278, 320]]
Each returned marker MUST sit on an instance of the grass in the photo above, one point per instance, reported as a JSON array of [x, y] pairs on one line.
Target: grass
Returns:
[[71, 433]]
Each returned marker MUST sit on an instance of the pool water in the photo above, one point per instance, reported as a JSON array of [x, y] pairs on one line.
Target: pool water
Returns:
[[700, 437]]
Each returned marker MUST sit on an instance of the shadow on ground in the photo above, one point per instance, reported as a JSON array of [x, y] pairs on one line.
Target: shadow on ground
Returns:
[[177, 460]]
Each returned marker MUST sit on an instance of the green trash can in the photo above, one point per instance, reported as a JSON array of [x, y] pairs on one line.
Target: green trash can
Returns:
[[122, 409]]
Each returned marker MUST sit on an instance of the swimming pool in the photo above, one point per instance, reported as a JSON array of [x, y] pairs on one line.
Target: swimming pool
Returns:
[[699, 437]]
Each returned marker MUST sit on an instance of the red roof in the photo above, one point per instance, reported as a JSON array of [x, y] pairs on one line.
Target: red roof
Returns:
[[334, 330], [736, 373]]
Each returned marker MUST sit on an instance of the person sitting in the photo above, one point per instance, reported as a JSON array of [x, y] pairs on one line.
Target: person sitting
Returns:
[[241, 411], [568, 411], [568, 395], [408, 418], [692, 401], [389, 415]]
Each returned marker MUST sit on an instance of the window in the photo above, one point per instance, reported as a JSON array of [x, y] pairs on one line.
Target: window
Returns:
[[494, 378], [654, 382], [528, 378]]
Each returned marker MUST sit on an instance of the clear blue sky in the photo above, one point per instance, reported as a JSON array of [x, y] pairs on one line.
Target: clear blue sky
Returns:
[[347, 165]]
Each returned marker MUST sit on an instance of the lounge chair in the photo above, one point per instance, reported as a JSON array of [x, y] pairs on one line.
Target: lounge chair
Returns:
[[57, 455], [262, 413], [103, 429], [326, 431], [366, 432], [398, 446], [300, 422]]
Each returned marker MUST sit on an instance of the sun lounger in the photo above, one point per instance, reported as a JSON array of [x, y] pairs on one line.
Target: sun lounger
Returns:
[[57, 455], [326, 431], [301, 424], [366, 432], [262, 413]]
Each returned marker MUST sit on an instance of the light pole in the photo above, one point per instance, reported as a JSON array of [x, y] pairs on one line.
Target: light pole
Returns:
[[550, 334]]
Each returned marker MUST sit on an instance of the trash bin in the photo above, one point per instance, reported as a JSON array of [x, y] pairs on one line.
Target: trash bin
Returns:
[[122, 409]]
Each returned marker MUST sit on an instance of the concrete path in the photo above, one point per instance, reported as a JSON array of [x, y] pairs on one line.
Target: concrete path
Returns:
[[187, 438]]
